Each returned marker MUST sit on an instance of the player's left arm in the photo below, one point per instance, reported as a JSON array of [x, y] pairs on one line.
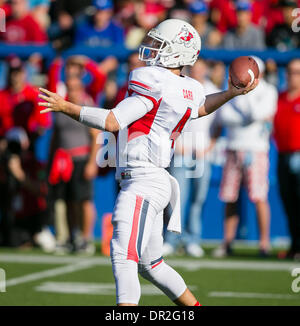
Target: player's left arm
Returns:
[[216, 100]]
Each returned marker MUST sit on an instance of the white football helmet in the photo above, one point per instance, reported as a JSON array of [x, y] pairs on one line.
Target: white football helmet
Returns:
[[171, 44]]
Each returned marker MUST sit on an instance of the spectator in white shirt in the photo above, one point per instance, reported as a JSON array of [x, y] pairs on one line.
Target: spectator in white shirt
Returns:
[[248, 124]]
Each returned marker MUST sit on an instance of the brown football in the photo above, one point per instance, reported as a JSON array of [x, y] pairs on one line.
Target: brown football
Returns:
[[243, 70]]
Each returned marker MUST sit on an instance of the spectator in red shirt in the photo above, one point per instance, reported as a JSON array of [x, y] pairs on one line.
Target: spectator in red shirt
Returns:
[[23, 189], [149, 13], [6, 7], [287, 136], [258, 12], [19, 103], [223, 14], [19, 109], [21, 26], [76, 66]]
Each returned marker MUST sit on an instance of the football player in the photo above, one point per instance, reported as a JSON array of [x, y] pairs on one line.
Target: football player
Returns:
[[159, 103]]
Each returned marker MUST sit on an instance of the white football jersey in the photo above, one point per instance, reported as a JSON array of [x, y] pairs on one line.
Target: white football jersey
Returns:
[[150, 140]]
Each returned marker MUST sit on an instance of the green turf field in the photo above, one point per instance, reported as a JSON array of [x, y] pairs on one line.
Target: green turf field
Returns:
[[35, 278]]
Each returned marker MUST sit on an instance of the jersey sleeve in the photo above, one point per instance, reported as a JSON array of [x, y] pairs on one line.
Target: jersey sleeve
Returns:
[[131, 109], [200, 100], [145, 82], [202, 96]]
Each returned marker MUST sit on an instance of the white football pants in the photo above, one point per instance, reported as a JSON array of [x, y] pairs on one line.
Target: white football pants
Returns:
[[137, 241]]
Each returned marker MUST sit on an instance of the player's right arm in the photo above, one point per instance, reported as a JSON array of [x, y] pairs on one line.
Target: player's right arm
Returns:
[[126, 112], [216, 100], [143, 97]]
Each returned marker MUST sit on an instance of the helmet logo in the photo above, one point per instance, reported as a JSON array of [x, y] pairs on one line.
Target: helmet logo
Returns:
[[184, 37]]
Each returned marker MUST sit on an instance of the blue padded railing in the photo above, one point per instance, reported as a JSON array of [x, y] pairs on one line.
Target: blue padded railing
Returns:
[[121, 53]]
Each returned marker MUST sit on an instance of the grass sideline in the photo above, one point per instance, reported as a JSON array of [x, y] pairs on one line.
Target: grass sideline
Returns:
[[37, 279]]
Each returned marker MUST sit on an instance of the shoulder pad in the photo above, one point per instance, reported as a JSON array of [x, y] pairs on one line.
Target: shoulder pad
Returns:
[[145, 81]]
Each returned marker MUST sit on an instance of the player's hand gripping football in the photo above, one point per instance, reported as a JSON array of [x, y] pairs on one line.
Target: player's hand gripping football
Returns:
[[234, 91], [53, 102]]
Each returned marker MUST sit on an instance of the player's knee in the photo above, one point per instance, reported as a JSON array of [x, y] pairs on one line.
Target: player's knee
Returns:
[[149, 270], [150, 273], [165, 278]]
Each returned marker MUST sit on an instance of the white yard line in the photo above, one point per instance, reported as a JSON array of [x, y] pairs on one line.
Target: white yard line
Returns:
[[77, 288], [250, 295], [94, 288], [49, 273], [50, 259], [187, 264], [193, 265]]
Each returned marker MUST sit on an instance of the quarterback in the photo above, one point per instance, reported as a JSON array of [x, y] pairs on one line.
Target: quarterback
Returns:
[[160, 101]]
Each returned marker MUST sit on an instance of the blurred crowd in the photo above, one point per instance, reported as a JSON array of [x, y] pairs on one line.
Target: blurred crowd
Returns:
[[35, 195], [231, 24]]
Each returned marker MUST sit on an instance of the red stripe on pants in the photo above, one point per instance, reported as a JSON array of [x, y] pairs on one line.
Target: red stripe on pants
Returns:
[[132, 252], [157, 264]]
